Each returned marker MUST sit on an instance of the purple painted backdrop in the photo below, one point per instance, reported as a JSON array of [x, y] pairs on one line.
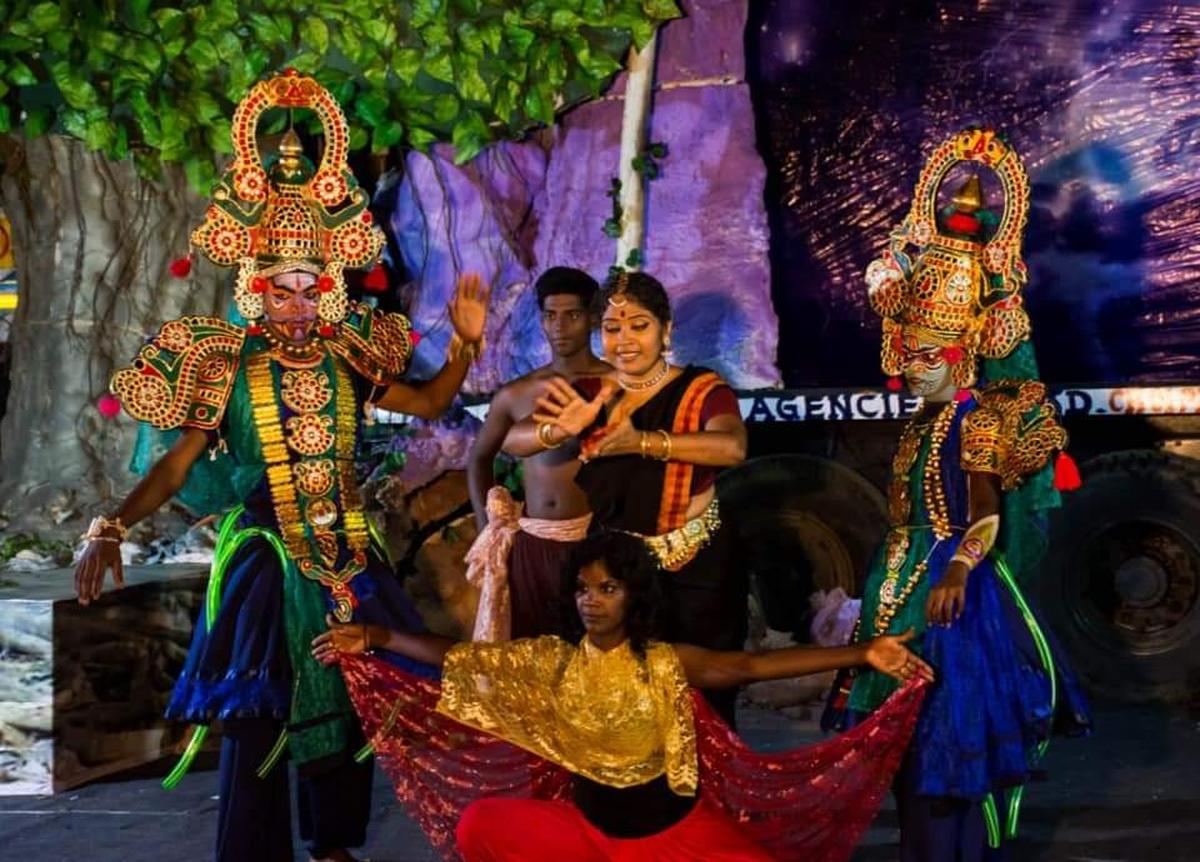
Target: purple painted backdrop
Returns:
[[520, 208]]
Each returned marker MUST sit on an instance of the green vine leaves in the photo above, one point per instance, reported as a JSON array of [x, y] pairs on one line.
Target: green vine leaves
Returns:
[[158, 81]]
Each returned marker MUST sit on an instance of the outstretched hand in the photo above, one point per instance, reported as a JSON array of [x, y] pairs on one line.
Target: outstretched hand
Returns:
[[888, 654], [563, 406], [98, 557], [468, 308], [345, 638]]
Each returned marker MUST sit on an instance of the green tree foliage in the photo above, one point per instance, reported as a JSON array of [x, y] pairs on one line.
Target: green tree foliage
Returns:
[[158, 81]]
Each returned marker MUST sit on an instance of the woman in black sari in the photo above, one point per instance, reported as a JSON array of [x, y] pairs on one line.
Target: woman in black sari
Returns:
[[652, 439]]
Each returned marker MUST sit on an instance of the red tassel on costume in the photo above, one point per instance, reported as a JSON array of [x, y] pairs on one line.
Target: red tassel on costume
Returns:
[[325, 330], [376, 280], [414, 338], [109, 406], [182, 267], [1066, 473], [254, 329], [894, 384], [962, 395]]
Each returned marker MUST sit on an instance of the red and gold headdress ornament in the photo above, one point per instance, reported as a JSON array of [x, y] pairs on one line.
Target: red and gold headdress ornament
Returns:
[[288, 216], [941, 283]]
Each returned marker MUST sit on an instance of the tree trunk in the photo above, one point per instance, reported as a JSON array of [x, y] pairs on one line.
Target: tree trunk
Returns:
[[93, 242]]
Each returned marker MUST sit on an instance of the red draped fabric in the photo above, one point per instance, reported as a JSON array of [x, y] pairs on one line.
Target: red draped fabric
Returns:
[[811, 803]]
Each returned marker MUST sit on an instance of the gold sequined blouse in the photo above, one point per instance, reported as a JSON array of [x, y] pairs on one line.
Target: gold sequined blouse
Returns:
[[608, 716]]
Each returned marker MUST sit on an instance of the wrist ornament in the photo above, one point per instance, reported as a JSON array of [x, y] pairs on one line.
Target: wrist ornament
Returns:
[[543, 436], [666, 451], [95, 530], [460, 348], [977, 542]]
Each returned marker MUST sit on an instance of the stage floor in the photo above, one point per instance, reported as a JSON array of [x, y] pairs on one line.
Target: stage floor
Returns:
[[1131, 792]]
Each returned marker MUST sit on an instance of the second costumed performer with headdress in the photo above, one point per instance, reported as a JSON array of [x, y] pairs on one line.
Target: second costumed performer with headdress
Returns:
[[276, 396], [971, 484]]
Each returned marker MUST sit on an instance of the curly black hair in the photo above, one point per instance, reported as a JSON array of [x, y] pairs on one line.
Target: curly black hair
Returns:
[[566, 279], [628, 560], [645, 290]]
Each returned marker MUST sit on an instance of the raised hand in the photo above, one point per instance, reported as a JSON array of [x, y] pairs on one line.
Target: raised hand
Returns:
[[889, 655], [468, 308], [99, 556], [561, 405]]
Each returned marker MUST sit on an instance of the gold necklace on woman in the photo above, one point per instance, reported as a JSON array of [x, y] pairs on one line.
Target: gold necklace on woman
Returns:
[[646, 383]]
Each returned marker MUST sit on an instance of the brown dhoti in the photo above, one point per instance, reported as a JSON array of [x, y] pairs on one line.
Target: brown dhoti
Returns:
[[517, 565], [535, 578]]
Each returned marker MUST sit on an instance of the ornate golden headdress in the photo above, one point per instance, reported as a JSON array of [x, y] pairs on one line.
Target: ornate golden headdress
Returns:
[[937, 285], [289, 216]]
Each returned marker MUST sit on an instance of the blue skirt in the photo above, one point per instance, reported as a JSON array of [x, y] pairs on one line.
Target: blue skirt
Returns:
[[240, 668], [990, 707]]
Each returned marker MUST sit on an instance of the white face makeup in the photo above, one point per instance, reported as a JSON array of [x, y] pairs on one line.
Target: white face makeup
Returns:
[[927, 373]]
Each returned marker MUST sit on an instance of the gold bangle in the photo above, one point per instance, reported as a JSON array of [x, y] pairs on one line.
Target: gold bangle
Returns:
[[666, 438], [100, 523], [642, 443], [459, 348], [543, 436]]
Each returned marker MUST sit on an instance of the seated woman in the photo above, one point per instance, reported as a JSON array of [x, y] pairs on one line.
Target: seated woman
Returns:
[[612, 707], [652, 440]]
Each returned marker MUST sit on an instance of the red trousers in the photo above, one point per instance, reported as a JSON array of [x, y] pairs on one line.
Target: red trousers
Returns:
[[534, 830]]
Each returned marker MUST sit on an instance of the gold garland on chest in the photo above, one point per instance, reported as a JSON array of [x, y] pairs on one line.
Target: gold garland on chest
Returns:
[[891, 597], [302, 490]]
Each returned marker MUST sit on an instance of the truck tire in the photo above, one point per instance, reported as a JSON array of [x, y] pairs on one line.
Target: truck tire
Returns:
[[801, 524], [1121, 583]]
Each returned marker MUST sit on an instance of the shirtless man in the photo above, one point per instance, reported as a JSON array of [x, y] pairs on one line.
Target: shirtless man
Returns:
[[524, 601]]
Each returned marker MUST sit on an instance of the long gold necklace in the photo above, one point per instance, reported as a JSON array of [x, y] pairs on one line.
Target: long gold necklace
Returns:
[[646, 383], [309, 435], [899, 539]]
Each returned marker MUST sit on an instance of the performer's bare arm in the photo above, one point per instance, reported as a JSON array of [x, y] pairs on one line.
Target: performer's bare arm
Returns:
[[711, 669], [360, 637], [527, 437], [483, 453], [158, 486], [948, 599], [428, 400], [722, 443]]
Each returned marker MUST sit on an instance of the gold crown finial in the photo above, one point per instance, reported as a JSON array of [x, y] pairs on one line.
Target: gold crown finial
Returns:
[[969, 197], [291, 151]]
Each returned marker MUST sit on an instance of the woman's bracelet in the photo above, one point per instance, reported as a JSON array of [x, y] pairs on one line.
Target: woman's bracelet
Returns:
[[666, 453], [642, 442], [95, 530], [459, 348], [543, 436]]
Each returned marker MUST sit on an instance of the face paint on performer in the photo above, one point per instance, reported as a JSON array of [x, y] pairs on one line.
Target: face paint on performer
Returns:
[[290, 306], [601, 601], [566, 323], [632, 338], [927, 373]]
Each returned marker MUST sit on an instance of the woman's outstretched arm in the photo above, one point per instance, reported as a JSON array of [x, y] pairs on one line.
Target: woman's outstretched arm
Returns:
[[711, 669]]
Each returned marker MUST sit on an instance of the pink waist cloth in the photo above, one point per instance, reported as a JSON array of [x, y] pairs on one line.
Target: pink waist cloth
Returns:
[[487, 560]]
